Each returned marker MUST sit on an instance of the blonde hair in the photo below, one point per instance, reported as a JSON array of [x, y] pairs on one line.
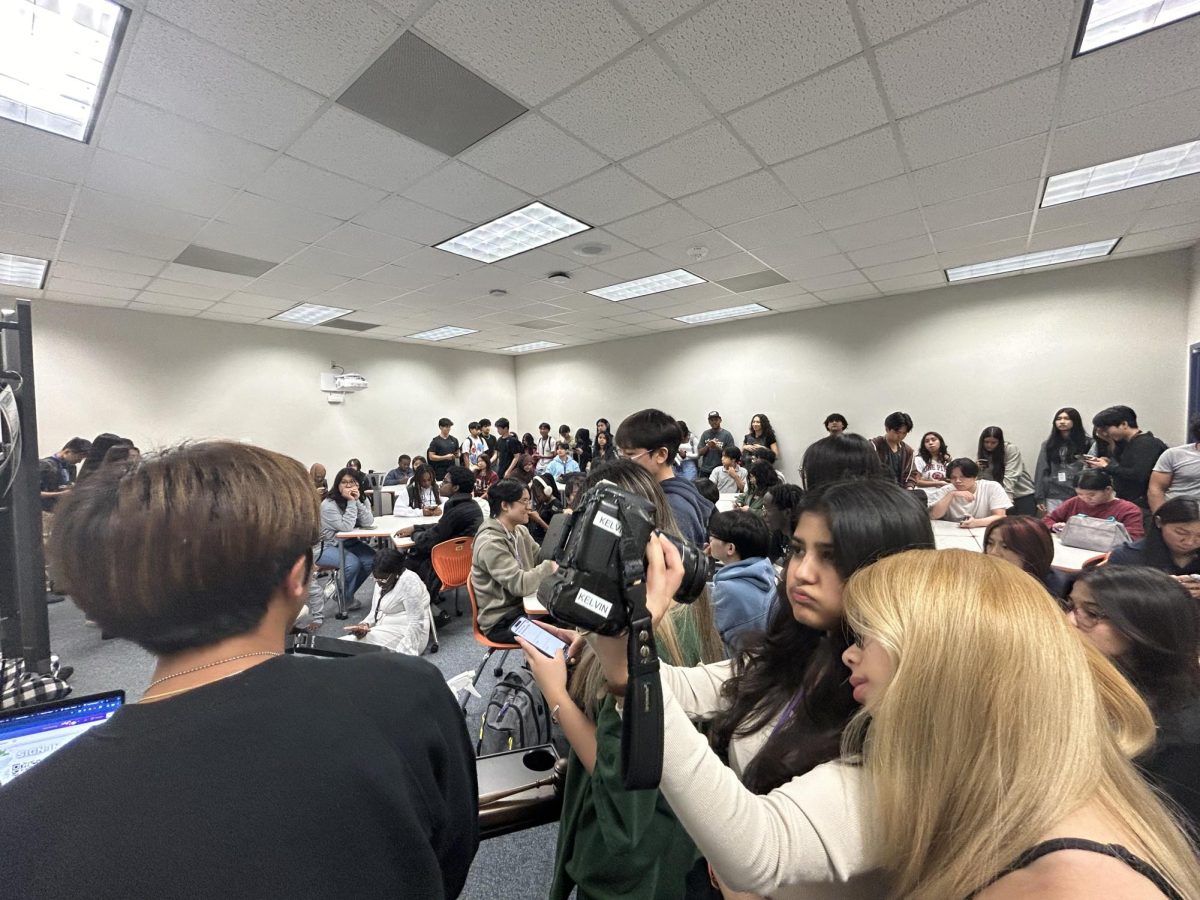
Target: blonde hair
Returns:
[[999, 721]]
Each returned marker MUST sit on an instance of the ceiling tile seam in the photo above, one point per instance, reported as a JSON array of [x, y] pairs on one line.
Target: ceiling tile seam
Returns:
[[932, 22], [637, 26]]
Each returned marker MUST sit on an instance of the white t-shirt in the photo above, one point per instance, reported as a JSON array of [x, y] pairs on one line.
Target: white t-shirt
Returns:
[[989, 495], [1183, 464]]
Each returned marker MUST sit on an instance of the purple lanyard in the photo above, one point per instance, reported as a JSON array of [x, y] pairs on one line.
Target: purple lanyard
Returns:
[[787, 712]]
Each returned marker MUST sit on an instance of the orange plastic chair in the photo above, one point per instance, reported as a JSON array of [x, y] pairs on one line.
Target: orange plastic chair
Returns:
[[452, 564], [483, 640]]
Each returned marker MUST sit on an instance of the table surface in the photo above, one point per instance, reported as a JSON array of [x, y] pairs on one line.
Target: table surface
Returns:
[[948, 535]]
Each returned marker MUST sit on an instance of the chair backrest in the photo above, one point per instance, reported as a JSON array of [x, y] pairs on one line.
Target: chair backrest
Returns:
[[480, 637], [452, 561]]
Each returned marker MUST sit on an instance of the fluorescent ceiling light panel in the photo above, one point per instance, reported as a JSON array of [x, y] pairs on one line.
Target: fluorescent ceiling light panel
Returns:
[[1121, 174], [1032, 260], [529, 348], [651, 284], [1109, 21], [23, 271], [730, 312], [311, 314], [442, 334], [55, 60], [531, 226]]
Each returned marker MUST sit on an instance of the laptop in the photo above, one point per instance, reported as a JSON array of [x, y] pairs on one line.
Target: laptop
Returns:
[[30, 734]]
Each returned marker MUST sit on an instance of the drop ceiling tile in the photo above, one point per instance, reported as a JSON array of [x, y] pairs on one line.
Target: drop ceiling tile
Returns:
[[292, 181], [982, 233], [1155, 64], [828, 282], [654, 14], [634, 104], [357, 294], [790, 251], [918, 266], [743, 198], [125, 240], [1126, 132], [815, 268], [364, 243], [917, 282], [269, 305], [183, 289], [163, 310], [982, 207], [533, 155], [796, 302], [556, 50], [998, 167], [463, 192], [998, 250], [693, 161], [25, 244], [173, 69], [735, 57], [96, 276], [1070, 236], [208, 277], [683, 253], [438, 262], [129, 177], [879, 231], [84, 299], [976, 49], [1178, 190], [148, 217], [35, 192], [41, 153], [536, 263], [401, 217], [156, 136], [344, 142], [278, 219], [656, 226], [849, 294], [1168, 216], [1118, 209], [86, 255], [401, 279], [754, 233], [567, 247], [860, 160], [885, 19], [1162, 237], [321, 259], [317, 43], [636, 265], [67, 286], [864, 204], [219, 316], [823, 110], [246, 242], [604, 197], [999, 116], [31, 221], [909, 248], [308, 279], [155, 299]]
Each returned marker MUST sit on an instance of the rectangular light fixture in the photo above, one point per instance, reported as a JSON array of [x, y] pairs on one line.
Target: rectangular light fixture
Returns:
[[529, 348], [651, 284], [442, 334], [1032, 260], [311, 314], [23, 271], [55, 61], [528, 227], [1108, 21], [730, 312], [1122, 174]]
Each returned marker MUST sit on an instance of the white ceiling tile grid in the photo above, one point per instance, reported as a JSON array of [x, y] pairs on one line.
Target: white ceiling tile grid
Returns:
[[923, 145]]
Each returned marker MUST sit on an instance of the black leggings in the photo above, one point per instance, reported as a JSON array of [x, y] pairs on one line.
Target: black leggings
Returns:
[[1024, 506]]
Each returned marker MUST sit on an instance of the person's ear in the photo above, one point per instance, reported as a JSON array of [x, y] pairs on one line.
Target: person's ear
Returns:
[[295, 581], [661, 455]]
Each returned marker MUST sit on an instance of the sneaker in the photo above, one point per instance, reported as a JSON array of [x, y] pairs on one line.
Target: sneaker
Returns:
[[54, 597], [441, 618], [64, 672]]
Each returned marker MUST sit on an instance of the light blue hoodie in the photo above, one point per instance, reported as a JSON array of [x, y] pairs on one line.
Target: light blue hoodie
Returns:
[[742, 596]]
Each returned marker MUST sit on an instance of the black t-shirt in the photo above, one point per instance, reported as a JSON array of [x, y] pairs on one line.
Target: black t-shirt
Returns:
[[301, 777], [509, 447], [443, 445]]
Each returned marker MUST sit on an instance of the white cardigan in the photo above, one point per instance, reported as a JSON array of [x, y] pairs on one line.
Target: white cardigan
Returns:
[[403, 624], [805, 839]]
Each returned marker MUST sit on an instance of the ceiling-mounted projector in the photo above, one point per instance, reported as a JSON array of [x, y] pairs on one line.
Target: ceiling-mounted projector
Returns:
[[350, 382]]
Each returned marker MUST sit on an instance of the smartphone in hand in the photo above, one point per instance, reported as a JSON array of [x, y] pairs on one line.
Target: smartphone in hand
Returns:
[[546, 643]]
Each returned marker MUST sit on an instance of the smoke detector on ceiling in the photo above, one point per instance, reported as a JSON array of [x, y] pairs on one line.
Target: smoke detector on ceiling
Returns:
[[559, 277], [497, 292], [589, 251], [697, 253]]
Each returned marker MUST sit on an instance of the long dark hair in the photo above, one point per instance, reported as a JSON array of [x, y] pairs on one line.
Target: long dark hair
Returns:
[[606, 453], [943, 454], [528, 444], [335, 490], [838, 457], [763, 476], [1076, 440], [1174, 512], [869, 519], [414, 485], [95, 457], [1161, 621], [768, 435], [995, 458]]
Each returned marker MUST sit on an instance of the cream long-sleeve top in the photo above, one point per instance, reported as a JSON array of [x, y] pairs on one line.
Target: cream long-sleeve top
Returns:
[[805, 839]]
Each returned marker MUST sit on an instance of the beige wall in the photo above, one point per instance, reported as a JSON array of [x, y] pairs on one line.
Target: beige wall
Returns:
[[1006, 352], [1193, 307], [160, 379]]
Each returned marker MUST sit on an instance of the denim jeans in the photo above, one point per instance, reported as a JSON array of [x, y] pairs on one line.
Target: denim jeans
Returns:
[[360, 559]]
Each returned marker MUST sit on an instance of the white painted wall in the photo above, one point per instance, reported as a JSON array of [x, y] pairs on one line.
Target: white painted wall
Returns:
[[1006, 352], [160, 379], [1193, 307]]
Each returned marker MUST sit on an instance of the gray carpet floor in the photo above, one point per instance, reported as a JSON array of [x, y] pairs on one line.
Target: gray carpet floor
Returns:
[[514, 867]]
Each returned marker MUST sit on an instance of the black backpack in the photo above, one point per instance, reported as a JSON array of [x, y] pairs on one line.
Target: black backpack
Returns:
[[515, 716]]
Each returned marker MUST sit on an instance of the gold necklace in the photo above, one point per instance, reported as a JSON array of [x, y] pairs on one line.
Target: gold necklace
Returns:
[[210, 665]]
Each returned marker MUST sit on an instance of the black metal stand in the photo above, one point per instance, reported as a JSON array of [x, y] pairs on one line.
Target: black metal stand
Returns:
[[24, 623]]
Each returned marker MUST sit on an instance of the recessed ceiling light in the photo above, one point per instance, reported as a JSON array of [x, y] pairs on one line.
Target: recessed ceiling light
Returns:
[[651, 284], [25, 271], [1108, 21], [1032, 260], [529, 348], [1122, 174], [590, 251], [441, 334], [311, 314], [729, 312], [55, 61], [529, 227]]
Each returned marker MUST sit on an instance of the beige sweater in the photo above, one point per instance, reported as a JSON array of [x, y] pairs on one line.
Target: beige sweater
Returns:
[[505, 569], [805, 839]]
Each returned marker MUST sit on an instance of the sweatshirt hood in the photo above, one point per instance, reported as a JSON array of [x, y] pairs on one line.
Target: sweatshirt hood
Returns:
[[682, 488], [756, 569]]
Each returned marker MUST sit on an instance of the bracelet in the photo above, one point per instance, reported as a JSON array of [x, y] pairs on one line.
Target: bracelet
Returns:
[[554, 714]]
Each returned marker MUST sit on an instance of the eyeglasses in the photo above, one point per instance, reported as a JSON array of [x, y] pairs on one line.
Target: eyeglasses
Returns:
[[621, 454], [1086, 617]]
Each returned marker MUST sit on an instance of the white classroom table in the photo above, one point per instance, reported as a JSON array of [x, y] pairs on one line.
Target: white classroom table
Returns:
[[948, 535], [725, 502]]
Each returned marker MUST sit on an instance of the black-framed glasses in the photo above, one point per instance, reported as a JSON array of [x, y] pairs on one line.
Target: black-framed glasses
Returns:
[[1086, 615]]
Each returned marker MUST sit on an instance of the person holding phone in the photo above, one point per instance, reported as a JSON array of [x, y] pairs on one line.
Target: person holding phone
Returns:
[[422, 493], [1171, 544]]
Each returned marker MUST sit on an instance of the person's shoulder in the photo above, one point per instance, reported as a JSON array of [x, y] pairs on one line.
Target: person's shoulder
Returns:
[[1131, 553]]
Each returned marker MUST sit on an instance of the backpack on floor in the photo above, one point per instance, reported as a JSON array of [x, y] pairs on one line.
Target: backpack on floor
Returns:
[[515, 716]]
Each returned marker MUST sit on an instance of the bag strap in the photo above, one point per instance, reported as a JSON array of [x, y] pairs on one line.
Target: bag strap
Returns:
[[642, 734]]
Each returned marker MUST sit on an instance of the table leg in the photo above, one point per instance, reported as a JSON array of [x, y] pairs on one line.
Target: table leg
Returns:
[[342, 604]]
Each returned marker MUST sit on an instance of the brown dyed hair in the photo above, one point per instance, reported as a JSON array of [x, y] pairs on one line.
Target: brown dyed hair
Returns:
[[1029, 538], [184, 548]]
